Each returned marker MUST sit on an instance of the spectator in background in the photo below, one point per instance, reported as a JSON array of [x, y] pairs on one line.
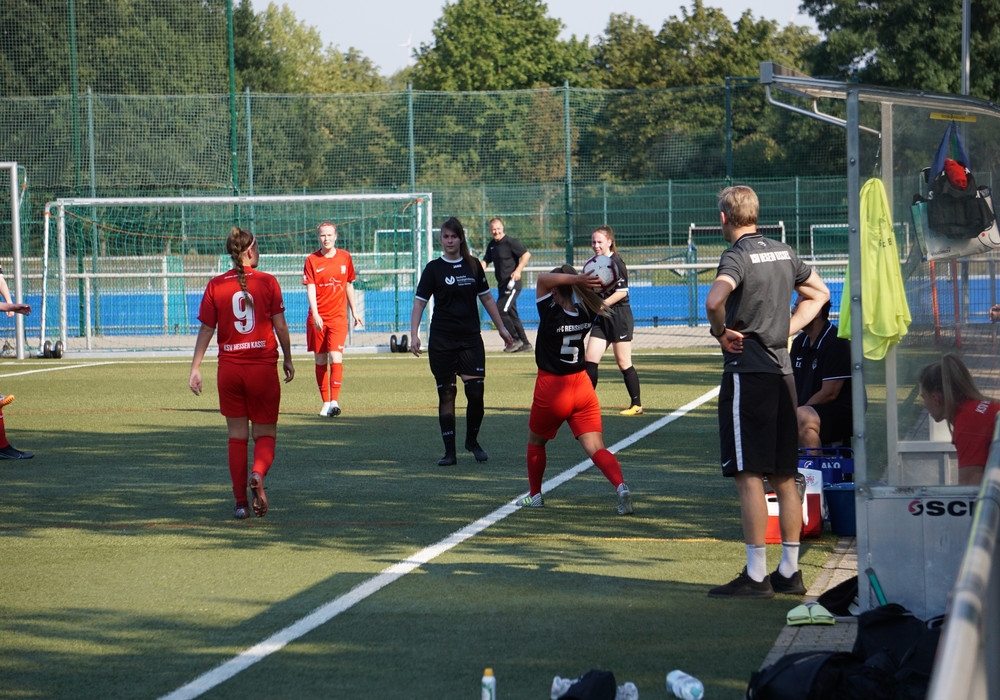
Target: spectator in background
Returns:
[[949, 393], [821, 364], [509, 258]]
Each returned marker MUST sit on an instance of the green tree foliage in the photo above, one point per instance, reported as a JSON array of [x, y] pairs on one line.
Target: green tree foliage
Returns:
[[667, 130], [279, 54], [137, 48], [913, 44], [487, 45], [701, 47]]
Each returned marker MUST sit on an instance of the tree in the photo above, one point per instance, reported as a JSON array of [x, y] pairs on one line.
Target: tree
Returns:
[[913, 44], [701, 47], [487, 45], [666, 129], [277, 53]]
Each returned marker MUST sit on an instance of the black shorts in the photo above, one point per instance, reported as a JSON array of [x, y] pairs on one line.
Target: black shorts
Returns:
[[836, 423], [456, 356], [758, 429], [616, 328]]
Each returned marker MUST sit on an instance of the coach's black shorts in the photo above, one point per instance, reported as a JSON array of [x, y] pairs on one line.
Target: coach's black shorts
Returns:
[[456, 356], [616, 328], [835, 422], [758, 430]]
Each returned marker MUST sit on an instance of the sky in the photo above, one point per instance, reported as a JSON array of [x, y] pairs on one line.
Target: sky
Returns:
[[386, 31]]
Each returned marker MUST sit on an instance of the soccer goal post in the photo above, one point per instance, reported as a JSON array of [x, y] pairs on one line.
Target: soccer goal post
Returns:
[[132, 270], [15, 238]]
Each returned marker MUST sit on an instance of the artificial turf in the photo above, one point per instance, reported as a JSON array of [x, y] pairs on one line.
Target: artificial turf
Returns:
[[122, 573]]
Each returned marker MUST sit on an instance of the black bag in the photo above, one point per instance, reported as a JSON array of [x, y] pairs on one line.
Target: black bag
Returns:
[[956, 212], [841, 597], [959, 213], [911, 644], [593, 685], [824, 675]]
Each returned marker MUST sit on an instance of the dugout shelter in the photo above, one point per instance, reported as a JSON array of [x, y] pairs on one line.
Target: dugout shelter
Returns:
[[929, 542]]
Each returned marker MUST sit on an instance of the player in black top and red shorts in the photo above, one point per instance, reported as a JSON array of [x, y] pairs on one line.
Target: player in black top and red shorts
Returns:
[[563, 391], [457, 283]]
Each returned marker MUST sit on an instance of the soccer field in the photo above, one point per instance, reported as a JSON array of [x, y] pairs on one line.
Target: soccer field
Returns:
[[376, 573]]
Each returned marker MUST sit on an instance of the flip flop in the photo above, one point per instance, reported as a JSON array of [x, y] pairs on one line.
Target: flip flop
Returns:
[[819, 615], [799, 615]]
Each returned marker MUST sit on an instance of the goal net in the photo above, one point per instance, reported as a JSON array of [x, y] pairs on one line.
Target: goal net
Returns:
[[131, 271]]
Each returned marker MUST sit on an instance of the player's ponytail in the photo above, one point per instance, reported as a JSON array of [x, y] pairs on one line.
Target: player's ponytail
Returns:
[[585, 294], [238, 242]]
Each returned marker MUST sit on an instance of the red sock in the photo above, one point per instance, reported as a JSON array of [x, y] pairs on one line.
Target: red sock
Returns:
[[336, 377], [238, 468], [609, 466], [536, 468], [323, 382], [263, 454]]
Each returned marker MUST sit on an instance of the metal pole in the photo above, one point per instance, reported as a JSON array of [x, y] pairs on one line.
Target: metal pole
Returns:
[[232, 98], [861, 489], [74, 93], [15, 225], [411, 146], [966, 21], [569, 174]]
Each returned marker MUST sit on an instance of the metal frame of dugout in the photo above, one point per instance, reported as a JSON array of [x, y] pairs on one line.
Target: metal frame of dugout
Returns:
[[915, 559]]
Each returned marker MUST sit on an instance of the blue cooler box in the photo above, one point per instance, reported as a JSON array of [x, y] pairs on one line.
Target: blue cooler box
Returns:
[[835, 463]]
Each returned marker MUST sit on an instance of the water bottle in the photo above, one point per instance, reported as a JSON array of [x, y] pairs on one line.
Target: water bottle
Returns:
[[684, 686], [510, 284], [489, 685]]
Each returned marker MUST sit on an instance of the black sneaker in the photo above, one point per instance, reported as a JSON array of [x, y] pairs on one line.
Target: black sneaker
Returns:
[[743, 587], [787, 584], [448, 460], [11, 452], [477, 451]]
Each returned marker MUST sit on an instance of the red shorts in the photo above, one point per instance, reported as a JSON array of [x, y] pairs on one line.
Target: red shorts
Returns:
[[332, 338], [564, 398], [250, 390]]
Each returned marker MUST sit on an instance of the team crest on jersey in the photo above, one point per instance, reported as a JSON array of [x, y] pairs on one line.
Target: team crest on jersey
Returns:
[[343, 269]]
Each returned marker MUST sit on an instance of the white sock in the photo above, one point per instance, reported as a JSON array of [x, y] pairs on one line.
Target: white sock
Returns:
[[757, 562], [789, 559]]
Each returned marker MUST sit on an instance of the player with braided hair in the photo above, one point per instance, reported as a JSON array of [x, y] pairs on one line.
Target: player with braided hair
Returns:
[[247, 307], [563, 390]]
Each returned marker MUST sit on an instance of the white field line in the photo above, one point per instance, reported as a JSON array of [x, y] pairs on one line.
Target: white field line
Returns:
[[328, 611]]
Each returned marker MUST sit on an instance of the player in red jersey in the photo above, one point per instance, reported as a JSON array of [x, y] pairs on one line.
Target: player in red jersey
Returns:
[[247, 308], [8, 451], [329, 279], [949, 393], [563, 390]]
